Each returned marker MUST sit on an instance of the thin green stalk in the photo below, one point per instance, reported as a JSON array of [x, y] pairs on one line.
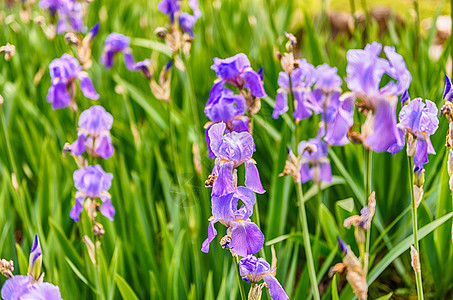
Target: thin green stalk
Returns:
[[368, 180], [418, 276], [352, 4], [417, 28], [238, 276], [307, 246]]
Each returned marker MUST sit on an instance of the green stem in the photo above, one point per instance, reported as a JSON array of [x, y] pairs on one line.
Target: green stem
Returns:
[[418, 276], [238, 276], [352, 4], [417, 28], [368, 180], [307, 246]]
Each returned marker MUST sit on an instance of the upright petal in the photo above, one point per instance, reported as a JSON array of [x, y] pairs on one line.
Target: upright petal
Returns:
[[107, 59], [275, 289], [215, 134], [421, 152], [222, 207], [246, 238], [281, 103], [252, 177]]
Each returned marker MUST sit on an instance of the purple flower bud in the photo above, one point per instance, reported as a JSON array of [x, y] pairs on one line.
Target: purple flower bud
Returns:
[[448, 92], [94, 133], [255, 269], [92, 182], [93, 32], [342, 245], [64, 71], [35, 260], [116, 43]]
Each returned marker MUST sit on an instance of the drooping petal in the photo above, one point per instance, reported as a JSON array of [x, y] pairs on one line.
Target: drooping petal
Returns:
[[421, 152], [325, 172], [78, 206], [343, 119], [281, 104], [107, 208], [60, 98], [42, 291], [305, 174], [15, 287], [252, 177], [129, 60], [275, 289], [385, 132], [399, 145], [246, 238], [107, 59], [87, 86], [104, 147], [223, 184], [212, 233], [78, 147], [222, 207], [253, 82]]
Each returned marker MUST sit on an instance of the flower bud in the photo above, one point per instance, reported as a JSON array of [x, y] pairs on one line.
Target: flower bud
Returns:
[[415, 261], [35, 260]]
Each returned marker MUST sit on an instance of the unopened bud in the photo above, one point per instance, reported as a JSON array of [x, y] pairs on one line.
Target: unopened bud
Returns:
[[91, 249], [415, 261], [419, 177], [98, 229], [292, 41], [418, 195], [72, 39], [9, 50], [161, 32]]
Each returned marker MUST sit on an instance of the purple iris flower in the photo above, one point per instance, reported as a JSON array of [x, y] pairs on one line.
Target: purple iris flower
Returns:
[[231, 150], [302, 80], [244, 236], [314, 162], [51, 4], [365, 70], [116, 43], [236, 71], [419, 120], [70, 17], [338, 118], [144, 67], [24, 288], [170, 8], [94, 133], [327, 79], [35, 259], [63, 72], [254, 270], [92, 182]]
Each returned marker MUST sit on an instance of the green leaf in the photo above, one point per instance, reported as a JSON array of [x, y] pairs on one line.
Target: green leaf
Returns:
[[125, 290]]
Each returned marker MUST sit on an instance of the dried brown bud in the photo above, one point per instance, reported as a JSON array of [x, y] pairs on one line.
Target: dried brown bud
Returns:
[[418, 195], [415, 261], [98, 229], [161, 32], [91, 249], [72, 39], [9, 51], [6, 268]]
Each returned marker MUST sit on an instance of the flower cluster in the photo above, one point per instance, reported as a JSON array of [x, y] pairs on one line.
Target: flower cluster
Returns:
[[377, 100], [70, 14], [224, 105], [30, 286], [230, 142], [180, 34]]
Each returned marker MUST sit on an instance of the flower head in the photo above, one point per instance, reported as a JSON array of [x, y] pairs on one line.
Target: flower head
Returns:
[[254, 270], [244, 237], [116, 43], [236, 70], [314, 162], [94, 133], [418, 120], [365, 71], [338, 118], [64, 71], [70, 17], [92, 182], [170, 8], [231, 150]]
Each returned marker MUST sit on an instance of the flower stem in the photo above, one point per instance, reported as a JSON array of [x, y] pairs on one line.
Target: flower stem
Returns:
[[418, 275], [238, 276], [368, 177], [307, 246]]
